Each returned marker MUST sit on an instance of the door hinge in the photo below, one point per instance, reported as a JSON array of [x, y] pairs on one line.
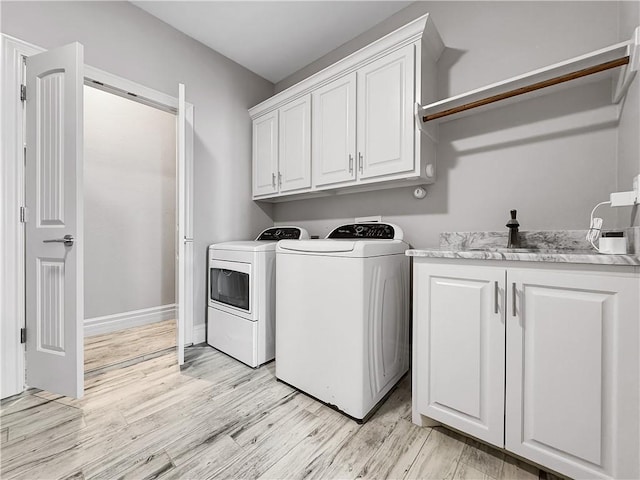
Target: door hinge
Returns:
[[24, 214], [23, 93], [23, 335]]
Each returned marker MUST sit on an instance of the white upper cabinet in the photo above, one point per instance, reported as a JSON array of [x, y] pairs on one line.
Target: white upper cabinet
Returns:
[[282, 149], [294, 159], [265, 154], [385, 115], [350, 127], [334, 131]]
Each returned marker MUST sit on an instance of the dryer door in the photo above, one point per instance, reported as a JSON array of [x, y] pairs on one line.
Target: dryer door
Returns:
[[230, 287]]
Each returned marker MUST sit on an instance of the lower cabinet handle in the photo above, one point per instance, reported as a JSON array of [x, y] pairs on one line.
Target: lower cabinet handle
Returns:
[[495, 297], [513, 299]]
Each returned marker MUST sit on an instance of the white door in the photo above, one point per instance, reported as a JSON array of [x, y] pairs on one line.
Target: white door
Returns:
[[459, 325], [265, 154], [385, 114], [334, 132], [184, 240], [294, 160], [573, 371], [54, 230]]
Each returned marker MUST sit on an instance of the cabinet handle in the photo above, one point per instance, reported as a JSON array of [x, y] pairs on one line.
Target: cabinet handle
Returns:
[[279, 179], [360, 161], [350, 163], [513, 299], [495, 297], [273, 180]]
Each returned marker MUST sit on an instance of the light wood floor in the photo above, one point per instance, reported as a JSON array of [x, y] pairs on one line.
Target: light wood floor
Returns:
[[218, 418], [124, 345]]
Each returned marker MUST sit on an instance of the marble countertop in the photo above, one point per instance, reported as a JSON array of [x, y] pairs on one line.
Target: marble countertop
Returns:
[[565, 256], [553, 246]]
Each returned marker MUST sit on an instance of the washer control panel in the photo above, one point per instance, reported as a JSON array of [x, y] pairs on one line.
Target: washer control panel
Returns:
[[283, 233], [381, 231]]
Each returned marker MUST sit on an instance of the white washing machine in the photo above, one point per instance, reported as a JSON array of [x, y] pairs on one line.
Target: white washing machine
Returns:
[[342, 309], [241, 295]]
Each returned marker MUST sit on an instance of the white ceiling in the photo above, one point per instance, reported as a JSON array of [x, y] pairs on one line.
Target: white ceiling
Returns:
[[272, 38]]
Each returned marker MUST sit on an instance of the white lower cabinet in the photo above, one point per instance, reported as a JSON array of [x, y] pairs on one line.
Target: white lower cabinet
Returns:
[[460, 347], [553, 376]]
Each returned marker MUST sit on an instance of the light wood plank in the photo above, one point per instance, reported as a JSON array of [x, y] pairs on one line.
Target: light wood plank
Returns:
[[439, 455], [151, 467], [348, 457], [467, 472], [116, 347], [217, 454], [514, 469], [217, 418], [277, 442], [396, 455], [303, 459], [483, 458]]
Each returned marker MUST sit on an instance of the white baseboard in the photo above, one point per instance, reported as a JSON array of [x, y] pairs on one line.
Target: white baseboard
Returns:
[[133, 318], [199, 334]]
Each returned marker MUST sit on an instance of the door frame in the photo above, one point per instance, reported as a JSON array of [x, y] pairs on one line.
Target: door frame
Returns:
[[12, 192]]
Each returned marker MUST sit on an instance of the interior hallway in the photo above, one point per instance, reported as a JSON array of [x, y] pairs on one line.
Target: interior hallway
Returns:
[[114, 348]]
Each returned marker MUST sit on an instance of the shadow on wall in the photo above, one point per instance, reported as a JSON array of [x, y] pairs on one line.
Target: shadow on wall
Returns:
[[567, 112], [491, 161], [448, 58]]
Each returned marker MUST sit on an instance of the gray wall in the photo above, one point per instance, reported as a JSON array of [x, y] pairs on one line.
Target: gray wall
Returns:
[[129, 205], [552, 158], [629, 131], [126, 41]]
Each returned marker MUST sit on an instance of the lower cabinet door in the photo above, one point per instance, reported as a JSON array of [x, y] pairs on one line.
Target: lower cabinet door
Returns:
[[573, 371], [459, 325]]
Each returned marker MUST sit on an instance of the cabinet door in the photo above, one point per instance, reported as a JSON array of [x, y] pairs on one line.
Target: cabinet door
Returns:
[[459, 338], [573, 371], [385, 115], [294, 160], [334, 131], [265, 154]]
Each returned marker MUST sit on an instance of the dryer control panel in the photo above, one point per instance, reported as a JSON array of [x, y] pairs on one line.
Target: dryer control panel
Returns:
[[381, 231], [283, 233]]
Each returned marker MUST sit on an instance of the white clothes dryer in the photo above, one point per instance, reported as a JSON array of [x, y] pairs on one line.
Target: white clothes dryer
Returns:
[[342, 309], [241, 295]]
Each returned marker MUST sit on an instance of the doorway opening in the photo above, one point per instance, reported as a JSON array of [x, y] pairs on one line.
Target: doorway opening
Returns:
[[58, 368], [129, 228]]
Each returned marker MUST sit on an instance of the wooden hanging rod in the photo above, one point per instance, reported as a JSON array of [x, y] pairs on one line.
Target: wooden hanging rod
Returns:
[[530, 88]]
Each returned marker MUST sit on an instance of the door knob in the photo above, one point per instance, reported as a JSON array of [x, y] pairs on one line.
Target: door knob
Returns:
[[67, 240]]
